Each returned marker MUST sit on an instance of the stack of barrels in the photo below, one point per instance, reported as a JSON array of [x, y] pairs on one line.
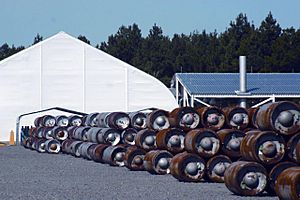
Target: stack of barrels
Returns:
[[251, 150]]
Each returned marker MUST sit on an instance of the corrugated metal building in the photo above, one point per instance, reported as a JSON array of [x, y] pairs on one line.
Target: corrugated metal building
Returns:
[[194, 87]]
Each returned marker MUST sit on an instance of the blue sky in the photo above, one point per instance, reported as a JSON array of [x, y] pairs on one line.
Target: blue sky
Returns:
[[21, 20]]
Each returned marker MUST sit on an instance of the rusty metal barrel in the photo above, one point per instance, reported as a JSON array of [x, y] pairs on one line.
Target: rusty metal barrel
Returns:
[[236, 117], [65, 146], [91, 119], [80, 132], [274, 173], [158, 120], [185, 118], [128, 136], [282, 117], [265, 147], [39, 145], [71, 131], [60, 133], [216, 167], [138, 120], [287, 185], [75, 120], [246, 178], [84, 150], [96, 152], [103, 136], [188, 167], [117, 120], [146, 139], [52, 146], [252, 112], [114, 155], [212, 117], [134, 158], [73, 148], [61, 120], [171, 139], [204, 142], [293, 148], [45, 132], [231, 141], [158, 162], [47, 121]]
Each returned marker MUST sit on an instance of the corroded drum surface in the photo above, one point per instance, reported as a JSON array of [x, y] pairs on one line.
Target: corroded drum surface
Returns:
[[282, 117], [171, 139], [188, 167], [246, 178], [288, 184], [212, 117], [204, 142], [265, 147]]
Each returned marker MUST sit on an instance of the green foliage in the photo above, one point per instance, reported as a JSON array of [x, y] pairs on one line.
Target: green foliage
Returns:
[[268, 48], [38, 38], [84, 39]]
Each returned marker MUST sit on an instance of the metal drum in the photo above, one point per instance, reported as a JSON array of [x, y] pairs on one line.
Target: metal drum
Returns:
[[158, 162], [282, 117], [146, 139], [212, 117], [293, 148], [231, 141], [274, 173], [52, 146], [158, 120], [96, 152], [188, 167], [80, 132], [216, 167], [61, 120], [134, 158], [65, 145], [128, 136], [74, 148], [184, 117], [47, 121], [84, 150], [265, 147], [75, 120], [39, 145], [37, 121], [252, 116], [116, 120], [60, 133], [287, 185], [171, 139], [45, 132], [114, 155], [246, 178], [103, 136], [138, 120], [204, 142], [236, 117], [91, 119], [71, 131]]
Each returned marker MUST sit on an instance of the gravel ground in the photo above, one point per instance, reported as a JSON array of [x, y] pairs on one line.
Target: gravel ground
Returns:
[[26, 174]]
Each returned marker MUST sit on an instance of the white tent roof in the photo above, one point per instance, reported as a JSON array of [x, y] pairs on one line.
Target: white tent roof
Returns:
[[63, 71]]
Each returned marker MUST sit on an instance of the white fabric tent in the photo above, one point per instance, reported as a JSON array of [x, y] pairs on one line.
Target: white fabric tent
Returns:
[[63, 71]]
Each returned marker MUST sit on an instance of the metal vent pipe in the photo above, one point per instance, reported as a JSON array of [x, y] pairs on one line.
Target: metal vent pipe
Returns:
[[243, 79]]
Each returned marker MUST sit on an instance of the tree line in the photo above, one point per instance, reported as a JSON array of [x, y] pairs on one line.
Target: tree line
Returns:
[[268, 48]]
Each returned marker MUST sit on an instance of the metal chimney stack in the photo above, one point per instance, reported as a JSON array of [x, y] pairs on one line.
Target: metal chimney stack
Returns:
[[243, 79]]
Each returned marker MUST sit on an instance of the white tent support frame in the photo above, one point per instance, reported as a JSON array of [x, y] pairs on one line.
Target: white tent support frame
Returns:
[[189, 99]]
